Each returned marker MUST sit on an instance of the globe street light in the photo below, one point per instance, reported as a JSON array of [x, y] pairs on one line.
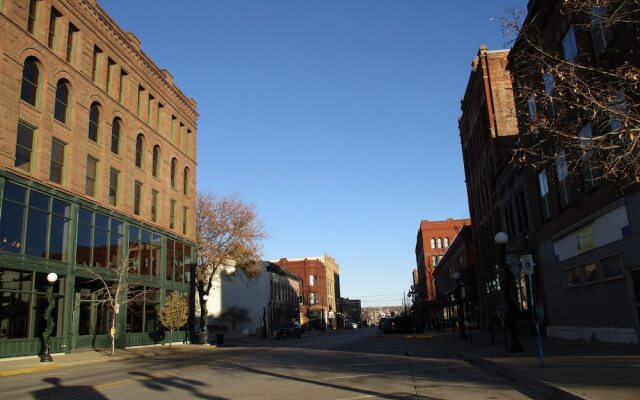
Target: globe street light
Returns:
[[46, 335], [463, 334], [501, 240]]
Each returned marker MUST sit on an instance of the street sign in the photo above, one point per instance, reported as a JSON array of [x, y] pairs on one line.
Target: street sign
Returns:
[[527, 264]]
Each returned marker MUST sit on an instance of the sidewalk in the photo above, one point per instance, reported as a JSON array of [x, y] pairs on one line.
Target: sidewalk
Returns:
[[572, 369]]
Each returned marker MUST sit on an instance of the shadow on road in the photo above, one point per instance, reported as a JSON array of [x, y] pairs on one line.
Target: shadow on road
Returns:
[[59, 391], [161, 384]]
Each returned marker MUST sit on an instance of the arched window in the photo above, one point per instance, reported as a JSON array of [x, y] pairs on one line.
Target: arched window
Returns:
[[156, 160], [139, 150], [30, 81], [174, 166], [446, 242], [94, 122], [115, 136], [185, 181], [439, 243], [61, 109], [433, 243]]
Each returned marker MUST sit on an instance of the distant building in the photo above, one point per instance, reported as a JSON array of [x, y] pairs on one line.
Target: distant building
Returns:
[[269, 299], [352, 310], [433, 240], [320, 288]]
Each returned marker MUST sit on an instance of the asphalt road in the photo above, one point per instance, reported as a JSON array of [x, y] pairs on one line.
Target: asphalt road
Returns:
[[348, 365]]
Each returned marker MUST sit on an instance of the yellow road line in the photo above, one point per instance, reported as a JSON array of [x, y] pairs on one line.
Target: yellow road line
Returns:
[[30, 370]]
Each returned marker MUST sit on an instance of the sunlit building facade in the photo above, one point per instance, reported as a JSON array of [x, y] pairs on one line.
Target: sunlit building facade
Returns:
[[97, 176]]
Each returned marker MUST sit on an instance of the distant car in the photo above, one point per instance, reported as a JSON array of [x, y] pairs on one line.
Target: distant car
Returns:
[[354, 325], [289, 330]]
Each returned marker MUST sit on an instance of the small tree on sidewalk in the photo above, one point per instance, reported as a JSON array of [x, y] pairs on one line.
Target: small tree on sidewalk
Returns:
[[174, 313], [116, 290]]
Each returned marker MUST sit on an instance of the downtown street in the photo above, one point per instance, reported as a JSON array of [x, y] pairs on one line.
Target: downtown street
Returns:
[[356, 364]]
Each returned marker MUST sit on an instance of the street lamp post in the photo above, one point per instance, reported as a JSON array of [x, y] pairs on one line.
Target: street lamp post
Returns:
[[46, 335], [501, 240], [463, 334], [204, 333]]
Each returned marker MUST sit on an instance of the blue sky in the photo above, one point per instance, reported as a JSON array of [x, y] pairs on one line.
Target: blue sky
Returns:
[[336, 118]]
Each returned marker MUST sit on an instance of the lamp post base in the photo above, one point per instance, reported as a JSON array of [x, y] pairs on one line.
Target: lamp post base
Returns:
[[46, 356]]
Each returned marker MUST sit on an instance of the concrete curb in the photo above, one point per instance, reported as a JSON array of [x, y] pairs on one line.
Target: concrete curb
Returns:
[[548, 390]]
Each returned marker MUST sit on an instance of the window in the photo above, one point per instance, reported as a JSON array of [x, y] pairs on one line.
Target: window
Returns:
[[32, 21], [52, 38], [123, 83], [56, 168], [111, 66], [185, 218], [154, 206], [544, 194], [24, 146], [114, 184], [137, 197], [572, 277], [149, 108], [313, 298], [72, 33], [172, 214], [91, 177], [30, 81], [185, 181], [95, 66], [589, 169], [563, 173], [548, 88], [180, 129], [94, 122], [312, 280], [531, 105], [174, 167], [155, 161], [139, 110], [569, 46], [61, 109], [159, 117], [174, 120], [188, 141], [590, 272], [100, 240], [439, 241], [434, 260], [611, 267], [115, 136], [601, 36], [139, 150], [446, 242], [433, 243]]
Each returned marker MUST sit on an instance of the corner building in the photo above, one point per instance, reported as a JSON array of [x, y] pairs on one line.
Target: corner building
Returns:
[[97, 168]]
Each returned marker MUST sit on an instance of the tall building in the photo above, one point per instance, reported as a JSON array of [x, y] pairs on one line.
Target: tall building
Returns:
[[97, 178], [488, 127], [320, 289], [585, 229], [433, 240]]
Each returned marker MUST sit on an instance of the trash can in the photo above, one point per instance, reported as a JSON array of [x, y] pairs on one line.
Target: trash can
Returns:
[[220, 338], [202, 336]]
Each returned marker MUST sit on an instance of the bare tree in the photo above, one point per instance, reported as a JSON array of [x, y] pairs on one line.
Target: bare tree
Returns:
[[228, 234], [577, 90], [116, 290]]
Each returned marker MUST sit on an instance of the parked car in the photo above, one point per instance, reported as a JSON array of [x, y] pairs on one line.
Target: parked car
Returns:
[[289, 329], [397, 325]]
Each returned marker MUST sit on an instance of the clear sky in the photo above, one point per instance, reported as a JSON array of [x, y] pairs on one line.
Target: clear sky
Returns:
[[336, 118]]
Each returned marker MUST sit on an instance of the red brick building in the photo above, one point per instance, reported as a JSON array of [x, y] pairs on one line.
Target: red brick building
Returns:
[[432, 242], [315, 304], [488, 126]]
